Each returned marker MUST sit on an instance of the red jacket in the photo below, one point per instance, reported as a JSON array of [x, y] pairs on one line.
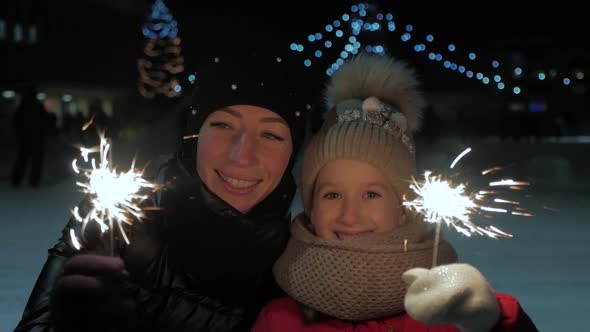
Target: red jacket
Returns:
[[284, 315]]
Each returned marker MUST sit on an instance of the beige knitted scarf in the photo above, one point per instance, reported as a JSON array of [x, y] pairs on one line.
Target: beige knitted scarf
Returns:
[[357, 278]]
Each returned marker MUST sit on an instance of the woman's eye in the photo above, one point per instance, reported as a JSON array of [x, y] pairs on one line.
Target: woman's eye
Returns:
[[372, 194], [331, 195], [219, 124], [272, 136]]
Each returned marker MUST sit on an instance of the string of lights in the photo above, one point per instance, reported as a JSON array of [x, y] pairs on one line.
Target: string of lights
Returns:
[[353, 28]]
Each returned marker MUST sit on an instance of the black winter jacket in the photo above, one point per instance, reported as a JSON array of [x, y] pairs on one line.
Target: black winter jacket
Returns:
[[197, 265]]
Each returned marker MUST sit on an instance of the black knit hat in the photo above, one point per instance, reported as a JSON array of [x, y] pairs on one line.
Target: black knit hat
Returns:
[[269, 81]]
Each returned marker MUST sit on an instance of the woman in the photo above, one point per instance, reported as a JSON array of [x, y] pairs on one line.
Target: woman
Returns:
[[202, 263]]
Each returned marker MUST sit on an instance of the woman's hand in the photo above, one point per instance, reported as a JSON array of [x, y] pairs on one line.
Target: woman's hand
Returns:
[[92, 295], [455, 294]]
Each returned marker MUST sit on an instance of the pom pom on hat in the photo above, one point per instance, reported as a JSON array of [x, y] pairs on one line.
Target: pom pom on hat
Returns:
[[384, 78]]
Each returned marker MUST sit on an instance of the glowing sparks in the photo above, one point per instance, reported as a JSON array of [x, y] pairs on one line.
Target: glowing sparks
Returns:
[[441, 200], [114, 196], [500, 200], [89, 123], [461, 155], [433, 198], [491, 209], [490, 170], [190, 136], [75, 167], [85, 152], [75, 241], [522, 214], [508, 183], [76, 213]]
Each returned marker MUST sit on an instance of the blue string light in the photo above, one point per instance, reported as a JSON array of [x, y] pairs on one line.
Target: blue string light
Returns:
[[361, 18], [160, 24]]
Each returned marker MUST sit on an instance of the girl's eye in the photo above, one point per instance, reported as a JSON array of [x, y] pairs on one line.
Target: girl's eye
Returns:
[[331, 195], [219, 124], [272, 136], [372, 194]]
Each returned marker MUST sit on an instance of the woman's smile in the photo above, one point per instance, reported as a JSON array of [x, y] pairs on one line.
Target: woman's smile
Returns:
[[237, 186]]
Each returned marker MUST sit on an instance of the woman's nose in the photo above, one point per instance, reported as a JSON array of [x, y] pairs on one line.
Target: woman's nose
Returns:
[[243, 150]]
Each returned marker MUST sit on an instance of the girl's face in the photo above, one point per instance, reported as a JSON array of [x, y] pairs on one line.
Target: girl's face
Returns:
[[351, 197], [242, 154]]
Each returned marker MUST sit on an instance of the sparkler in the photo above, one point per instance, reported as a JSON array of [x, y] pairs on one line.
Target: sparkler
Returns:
[[114, 196], [440, 200]]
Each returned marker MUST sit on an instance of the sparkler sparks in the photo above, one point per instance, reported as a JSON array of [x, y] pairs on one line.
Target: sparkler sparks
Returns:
[[440, 200], [114, 196]]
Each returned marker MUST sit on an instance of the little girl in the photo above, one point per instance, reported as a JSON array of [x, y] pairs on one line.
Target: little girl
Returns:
[[357, 260]]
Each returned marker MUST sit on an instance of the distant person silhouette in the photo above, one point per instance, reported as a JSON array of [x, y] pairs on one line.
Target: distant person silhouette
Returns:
[[32, 123], [100, 118]]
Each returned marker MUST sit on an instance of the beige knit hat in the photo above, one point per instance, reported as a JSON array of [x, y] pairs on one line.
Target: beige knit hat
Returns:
[[373, 108]]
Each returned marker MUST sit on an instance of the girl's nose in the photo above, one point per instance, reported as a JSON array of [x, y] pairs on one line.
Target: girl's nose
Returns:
[[351, 212]]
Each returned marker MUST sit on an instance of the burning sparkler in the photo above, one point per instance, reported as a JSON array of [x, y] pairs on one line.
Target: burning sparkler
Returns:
[[440, 200], [114, 196]]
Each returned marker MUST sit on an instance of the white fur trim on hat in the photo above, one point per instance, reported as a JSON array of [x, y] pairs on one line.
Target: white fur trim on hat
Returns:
[[389, 80]]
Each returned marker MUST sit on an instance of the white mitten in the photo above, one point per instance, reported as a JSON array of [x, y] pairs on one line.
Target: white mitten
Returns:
[[453, 294]]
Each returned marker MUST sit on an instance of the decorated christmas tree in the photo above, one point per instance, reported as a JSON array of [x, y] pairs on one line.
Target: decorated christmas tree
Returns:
[[162, 61]]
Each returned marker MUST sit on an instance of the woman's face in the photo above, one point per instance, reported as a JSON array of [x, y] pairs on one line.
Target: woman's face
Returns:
[[351, 198], [242, 153]]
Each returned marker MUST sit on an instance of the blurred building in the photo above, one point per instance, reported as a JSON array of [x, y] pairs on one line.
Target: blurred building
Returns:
[[75, 52]]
